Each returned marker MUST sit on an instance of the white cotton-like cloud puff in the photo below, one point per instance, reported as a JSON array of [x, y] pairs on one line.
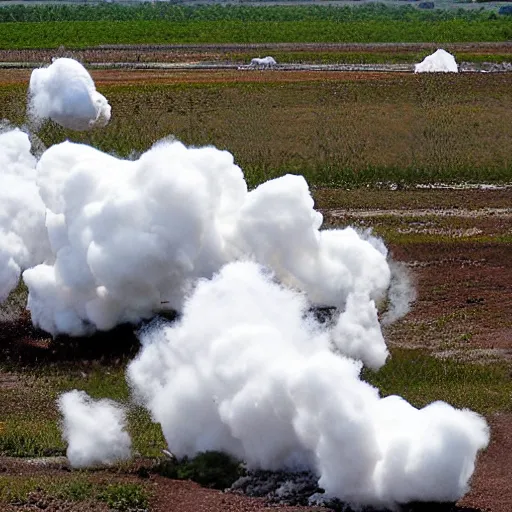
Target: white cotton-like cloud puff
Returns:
[[23, 239], [65, 93], [248, 371], [439, 62], [95, 430], [131, 238]]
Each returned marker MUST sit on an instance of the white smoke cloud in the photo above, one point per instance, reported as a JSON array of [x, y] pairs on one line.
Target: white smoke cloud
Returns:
[[130, 238], [65, 93], [401, 293], [23, 240], [439, 62], [247, 371], [95, 430]]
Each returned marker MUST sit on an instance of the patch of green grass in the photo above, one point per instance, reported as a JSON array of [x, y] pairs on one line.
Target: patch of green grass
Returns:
[[213, 469], [483, 57], [42, 436], [246, 13], [77, 489], [31, 421], [99, 381], [125, 497], [16, 489], [422, 378], [13, 307], [403, 129], [147, 437], [23, 436], [122, 497]]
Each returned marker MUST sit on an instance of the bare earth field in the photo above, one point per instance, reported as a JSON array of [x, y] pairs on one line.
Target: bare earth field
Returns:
[[241, 52], [462, 311], [457, 245], [127, 76]]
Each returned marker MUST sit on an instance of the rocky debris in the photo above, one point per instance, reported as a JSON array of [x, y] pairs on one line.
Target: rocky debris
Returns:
[[278, 487]]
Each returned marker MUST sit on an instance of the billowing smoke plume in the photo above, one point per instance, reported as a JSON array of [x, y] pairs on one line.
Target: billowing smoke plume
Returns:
[[130, 238], [23, 240], [247, 370], [94, 430], [439, 62], [65, 93]]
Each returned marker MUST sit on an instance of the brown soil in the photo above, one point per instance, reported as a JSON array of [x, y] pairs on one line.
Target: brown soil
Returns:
[[177, 496], [464, 300], [491, 487], [463, 309], [464, 287], [212, 53], [167, 495], [127, 76]]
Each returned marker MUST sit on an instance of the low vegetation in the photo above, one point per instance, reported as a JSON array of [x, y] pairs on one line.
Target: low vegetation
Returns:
[[39, 491], [212, 469], [338, 131], [278, 13], [421, 379], [79, 34], [415, 375]]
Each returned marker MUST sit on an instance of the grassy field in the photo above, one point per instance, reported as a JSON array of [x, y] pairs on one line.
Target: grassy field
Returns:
[[348, 132], [78, 34], [342, 132], [415, 375], [277, 13], [80, 26]]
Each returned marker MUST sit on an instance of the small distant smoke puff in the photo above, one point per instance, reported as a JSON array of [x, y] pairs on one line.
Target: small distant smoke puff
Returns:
[[247, 371], [439, 62], [131, 238], [65, 93], [265, 62], [94, 430], [401, 293], [23, 239]]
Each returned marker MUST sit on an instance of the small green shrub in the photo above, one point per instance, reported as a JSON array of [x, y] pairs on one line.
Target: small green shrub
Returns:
[[125, 497], [212, 469]]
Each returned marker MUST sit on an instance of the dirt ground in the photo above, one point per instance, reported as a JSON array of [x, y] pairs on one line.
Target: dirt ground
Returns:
[[126, 76], [470, 280], [464, 289], [213, 53]]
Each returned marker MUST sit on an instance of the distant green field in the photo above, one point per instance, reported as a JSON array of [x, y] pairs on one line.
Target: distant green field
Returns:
[[163, 11], [81, 34]]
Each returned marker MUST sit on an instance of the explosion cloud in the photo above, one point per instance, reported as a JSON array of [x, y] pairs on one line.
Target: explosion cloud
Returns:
[[248, 371], [130, 238], [94, 430], [439, 62], [23, 240], [65, 93]]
